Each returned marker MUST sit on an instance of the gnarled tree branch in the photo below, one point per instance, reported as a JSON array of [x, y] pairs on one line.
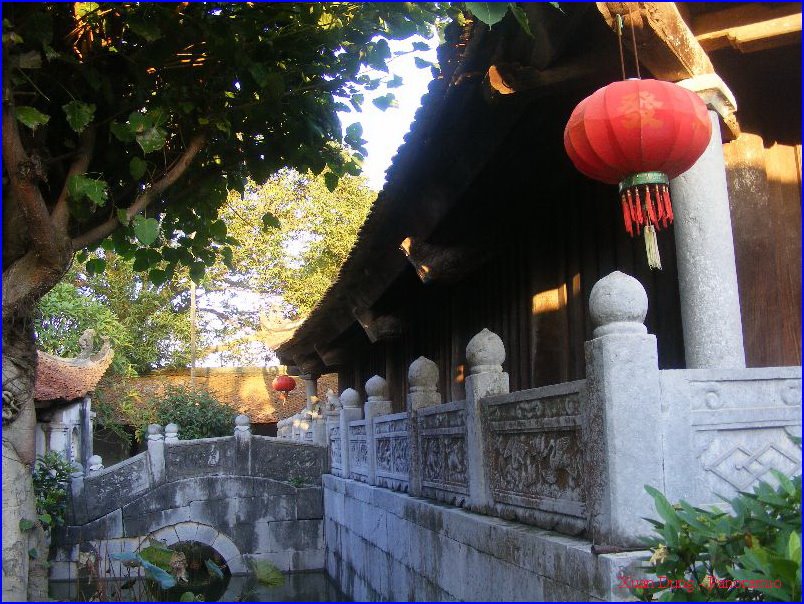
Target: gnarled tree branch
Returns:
[[100, 232]]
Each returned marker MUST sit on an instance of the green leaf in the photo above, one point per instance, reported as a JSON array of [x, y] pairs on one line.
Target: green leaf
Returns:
[[187, 596], [157, 276], [217, 229], [122, 132], [45, 519], [122, 216], [521, 17], [137, 167], [384, 102], [82, 9], [146, 230], [197, 270], [95, 266], [269, 221], [420, 46], [421, 63], [152, 139], [214, 569], [26, 525], [556, 6], [79, 114], [488, 12], [33, 554], [147, 29], [80, 186], [395, 82], [165, 580], [30, 116], [331, 180]]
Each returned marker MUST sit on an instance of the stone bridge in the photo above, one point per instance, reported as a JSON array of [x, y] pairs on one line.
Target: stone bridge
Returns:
[[247, 497]]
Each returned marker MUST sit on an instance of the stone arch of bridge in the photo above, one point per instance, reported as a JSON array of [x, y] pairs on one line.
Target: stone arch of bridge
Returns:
[[202, 533]]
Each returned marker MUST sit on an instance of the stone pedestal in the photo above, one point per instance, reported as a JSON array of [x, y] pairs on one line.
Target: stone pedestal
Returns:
[[378, 404], [485, 354], [156, 453], [351, 412], [622, 413], [423, 392], [242, 434], [707, 275]]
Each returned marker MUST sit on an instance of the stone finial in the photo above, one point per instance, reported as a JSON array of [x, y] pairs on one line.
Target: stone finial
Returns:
[[171, 433], [377, 389], [485, 352], [350, 398], [618, 304], [423, 375], [333, 402], [95, 464], [78, 470], [242, 423], [155, 432]]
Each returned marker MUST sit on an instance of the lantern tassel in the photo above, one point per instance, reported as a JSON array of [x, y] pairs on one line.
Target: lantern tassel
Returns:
[[627, 215], [652, 248], [649, 207], [668, 207], [660, 214]]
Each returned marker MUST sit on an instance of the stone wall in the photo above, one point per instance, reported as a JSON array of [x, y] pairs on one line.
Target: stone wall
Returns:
[[248, 497], [385, 545]]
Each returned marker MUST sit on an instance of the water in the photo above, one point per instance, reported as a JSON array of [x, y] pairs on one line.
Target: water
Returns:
[[313, 586]]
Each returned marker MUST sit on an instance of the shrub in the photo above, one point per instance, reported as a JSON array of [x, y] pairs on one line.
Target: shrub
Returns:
[[51, 475], [196, 411], [751, 554]]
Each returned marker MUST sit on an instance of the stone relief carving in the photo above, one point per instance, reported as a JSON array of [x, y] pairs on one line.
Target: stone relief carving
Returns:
[[358, 452], [534, 452], [443, 450], [335, 447]]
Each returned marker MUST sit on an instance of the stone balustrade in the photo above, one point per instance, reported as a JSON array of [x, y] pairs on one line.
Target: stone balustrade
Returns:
[[573, 457]]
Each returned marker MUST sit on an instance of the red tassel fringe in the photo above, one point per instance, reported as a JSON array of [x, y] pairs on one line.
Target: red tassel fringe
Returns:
[[641, 209]]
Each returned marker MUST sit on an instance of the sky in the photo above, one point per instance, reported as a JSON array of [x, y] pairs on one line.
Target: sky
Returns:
[[384, 130]]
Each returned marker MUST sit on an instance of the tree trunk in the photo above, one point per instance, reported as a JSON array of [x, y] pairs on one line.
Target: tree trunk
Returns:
[[19, 421]]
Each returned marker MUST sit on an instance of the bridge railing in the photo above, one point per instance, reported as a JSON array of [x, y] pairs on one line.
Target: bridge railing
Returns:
[[169, 459], [575, 457]]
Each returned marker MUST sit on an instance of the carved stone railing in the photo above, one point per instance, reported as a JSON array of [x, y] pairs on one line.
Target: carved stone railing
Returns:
[[392, 451], [533, 446], [736, 428], [575, 457], [441, 433], [358, 451]]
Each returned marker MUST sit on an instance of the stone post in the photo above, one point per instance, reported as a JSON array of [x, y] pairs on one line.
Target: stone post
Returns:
[[242, 434], [156, 453], [319, 430], [485, 354], [58, 439], [332, 417], [310, 389], [378, 404], [78, 504], [94, 464], [621, 414], [707, 274], [172, 433], [423, 392], [351, 412]]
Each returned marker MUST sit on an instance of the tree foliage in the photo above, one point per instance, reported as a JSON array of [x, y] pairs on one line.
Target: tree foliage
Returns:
[[108, 107]]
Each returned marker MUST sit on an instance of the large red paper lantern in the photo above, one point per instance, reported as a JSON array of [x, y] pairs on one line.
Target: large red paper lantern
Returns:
[[639, 134], [283, 384]]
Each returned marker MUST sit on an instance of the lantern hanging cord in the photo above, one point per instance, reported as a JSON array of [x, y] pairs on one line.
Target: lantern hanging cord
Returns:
[[620, 42], [633, 40]]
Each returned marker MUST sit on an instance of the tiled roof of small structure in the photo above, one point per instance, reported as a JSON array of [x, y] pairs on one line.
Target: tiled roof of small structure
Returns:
[[69, 379], [245, 389]]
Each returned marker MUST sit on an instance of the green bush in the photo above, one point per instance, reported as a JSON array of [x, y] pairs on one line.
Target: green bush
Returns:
[[751, 554], [51, 475], [196, 411]]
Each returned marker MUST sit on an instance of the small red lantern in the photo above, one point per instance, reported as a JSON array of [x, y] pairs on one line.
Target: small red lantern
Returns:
[[283, 384], [640, 134]]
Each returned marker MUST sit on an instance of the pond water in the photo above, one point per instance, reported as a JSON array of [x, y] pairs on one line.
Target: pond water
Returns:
[[297, 587]]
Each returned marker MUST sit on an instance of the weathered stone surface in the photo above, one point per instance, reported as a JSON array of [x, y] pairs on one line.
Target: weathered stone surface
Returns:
[[443, 553], [267, 509], [143, 524], [105, 490], [200, 457], [309, 504], [285, 461]]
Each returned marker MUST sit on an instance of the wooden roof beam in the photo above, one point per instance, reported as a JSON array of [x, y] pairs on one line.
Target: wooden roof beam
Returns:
[[666, 46], [750, 27]]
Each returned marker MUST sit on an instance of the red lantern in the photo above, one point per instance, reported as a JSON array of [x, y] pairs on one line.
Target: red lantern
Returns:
[[640, 134], [283, 384]]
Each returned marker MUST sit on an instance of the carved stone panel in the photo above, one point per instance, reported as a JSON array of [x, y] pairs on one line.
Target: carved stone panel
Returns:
[[442, 442], [392, 444], [110, 488], [534, 456], [201, 457], [358, 451], [335, 450]]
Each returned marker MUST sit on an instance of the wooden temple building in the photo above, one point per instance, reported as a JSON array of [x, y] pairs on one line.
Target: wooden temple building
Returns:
[[485, 223]]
